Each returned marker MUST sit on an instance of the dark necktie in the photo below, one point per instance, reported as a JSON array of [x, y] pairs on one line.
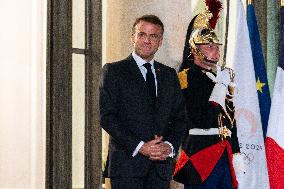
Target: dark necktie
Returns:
[[150, 81]]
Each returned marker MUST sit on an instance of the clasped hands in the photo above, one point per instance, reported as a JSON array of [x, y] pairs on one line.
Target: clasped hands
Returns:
[[156, 149]]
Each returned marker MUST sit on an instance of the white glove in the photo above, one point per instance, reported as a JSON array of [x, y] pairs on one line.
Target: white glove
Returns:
[[223, 76], [218, 95], [239, 166], [220, 89]]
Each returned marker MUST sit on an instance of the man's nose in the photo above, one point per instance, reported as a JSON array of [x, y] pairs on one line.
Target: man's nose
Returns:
[[147, 39]]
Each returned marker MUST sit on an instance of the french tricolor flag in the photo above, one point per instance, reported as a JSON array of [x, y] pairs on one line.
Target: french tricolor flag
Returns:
[[274, 141]]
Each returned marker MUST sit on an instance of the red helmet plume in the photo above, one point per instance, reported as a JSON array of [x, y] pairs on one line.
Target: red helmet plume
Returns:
[[214, 6]]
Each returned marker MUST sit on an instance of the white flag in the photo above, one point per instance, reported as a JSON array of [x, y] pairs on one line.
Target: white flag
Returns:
[[239, 57]]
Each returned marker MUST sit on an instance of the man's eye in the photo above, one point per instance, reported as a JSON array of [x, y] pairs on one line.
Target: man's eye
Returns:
[[141, 34], [154, 36]]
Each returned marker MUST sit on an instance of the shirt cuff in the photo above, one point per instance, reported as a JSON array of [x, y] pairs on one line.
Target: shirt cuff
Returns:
[[171, 155], [137, 148]]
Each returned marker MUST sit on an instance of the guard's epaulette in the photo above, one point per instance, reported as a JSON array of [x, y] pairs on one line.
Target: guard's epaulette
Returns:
[[182, 76]]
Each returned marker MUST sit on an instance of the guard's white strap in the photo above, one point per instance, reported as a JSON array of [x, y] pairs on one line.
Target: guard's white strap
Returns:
[[211, 131]]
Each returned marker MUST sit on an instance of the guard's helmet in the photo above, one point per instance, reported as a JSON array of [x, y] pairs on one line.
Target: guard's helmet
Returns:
[[202, 33]]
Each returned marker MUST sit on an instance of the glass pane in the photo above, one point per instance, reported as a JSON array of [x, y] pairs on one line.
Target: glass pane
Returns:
[[78, 120], [78, 25]]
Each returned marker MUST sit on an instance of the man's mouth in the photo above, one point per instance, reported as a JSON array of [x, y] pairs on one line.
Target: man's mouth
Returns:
[[210, 61], [147, 47]]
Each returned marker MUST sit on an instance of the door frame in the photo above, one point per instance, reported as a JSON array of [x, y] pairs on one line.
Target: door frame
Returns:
[[59, 93]]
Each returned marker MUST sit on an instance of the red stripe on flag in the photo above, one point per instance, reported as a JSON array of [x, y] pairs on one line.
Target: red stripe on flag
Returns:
[[275, 161]]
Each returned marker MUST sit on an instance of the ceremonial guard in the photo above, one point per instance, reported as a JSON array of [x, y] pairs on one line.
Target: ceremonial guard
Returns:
[[210, 156]]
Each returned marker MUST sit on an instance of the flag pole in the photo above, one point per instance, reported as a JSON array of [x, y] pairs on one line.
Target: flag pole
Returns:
[[226, 34]]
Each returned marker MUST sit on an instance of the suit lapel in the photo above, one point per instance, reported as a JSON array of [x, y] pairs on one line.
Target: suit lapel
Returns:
[[135, 74]]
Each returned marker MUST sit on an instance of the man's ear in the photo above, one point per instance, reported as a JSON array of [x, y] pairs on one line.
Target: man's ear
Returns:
[[132, 38], [195, 56], [161, 41], [193, 52]]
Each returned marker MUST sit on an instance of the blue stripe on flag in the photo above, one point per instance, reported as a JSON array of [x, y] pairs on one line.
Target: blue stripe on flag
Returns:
[[259, 67]]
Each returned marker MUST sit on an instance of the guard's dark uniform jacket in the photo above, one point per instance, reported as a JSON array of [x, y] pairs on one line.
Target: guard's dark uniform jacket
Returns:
[[200, 153]]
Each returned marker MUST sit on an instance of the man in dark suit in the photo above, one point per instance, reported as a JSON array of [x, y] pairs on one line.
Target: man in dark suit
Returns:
[[142, 109]]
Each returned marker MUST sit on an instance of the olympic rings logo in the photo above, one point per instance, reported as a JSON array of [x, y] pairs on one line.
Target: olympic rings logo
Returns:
[[248, 158]]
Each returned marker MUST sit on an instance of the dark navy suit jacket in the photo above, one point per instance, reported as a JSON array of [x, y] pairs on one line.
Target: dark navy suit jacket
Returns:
[[128, 117]]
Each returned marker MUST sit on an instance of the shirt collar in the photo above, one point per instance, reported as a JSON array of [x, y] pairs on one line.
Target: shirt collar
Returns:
[[139, 61]]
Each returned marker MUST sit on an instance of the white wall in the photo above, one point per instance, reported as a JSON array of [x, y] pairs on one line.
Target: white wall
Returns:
[[22, 94], [120, 16]]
